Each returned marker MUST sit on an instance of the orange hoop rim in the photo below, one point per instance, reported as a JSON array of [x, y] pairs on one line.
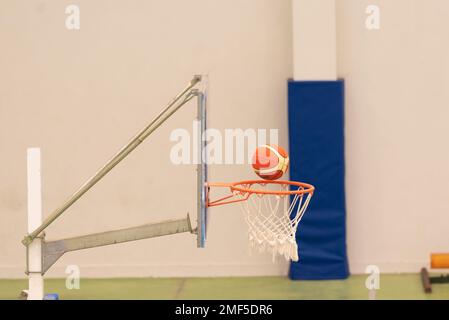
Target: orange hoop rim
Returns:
[[302, 187], [244, 188]]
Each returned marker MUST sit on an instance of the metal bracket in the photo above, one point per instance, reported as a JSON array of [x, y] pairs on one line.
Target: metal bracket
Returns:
[[53, 250], [27, 270]]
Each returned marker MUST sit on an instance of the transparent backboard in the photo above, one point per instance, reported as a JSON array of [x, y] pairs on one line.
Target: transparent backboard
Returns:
[[202, 168]]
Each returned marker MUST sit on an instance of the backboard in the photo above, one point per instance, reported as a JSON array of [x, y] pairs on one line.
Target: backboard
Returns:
[[202, 169]]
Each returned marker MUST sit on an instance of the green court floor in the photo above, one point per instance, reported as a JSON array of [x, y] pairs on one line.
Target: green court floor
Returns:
[[407, 286]]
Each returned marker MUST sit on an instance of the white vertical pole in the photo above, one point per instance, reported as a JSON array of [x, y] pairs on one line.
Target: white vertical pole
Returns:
[[314, 40], [35, 279]]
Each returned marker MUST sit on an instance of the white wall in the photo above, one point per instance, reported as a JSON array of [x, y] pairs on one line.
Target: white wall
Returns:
[[397, 132], [80, 95], [314, 40]]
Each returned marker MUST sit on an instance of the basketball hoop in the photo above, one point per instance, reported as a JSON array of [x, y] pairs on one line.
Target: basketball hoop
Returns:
[[272, 209]]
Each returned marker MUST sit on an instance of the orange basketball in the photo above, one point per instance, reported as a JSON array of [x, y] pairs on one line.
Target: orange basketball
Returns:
[[270, 162]]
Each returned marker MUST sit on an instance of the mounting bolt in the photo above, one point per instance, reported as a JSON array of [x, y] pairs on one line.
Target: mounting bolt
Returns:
[[196, 79]]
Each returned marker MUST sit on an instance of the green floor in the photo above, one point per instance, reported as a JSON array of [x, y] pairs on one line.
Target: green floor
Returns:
[[392, 287]]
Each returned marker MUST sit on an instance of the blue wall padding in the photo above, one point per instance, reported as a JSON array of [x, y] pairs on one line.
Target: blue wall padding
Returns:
[[316, 133]]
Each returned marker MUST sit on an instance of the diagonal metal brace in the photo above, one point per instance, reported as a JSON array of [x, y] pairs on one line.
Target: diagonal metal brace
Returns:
[[53, 250], [182, 98]]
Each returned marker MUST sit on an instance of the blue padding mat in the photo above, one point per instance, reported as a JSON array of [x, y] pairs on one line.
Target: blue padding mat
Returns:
[[316, 133]]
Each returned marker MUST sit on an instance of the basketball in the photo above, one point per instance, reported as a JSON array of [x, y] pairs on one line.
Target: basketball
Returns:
[[270, 161]]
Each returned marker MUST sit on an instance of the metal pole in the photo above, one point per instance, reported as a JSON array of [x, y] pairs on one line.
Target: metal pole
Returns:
[[201, 172], [34, 250], [130, 146]]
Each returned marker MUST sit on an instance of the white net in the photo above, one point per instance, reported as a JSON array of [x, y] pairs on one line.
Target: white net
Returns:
[[273, 219]]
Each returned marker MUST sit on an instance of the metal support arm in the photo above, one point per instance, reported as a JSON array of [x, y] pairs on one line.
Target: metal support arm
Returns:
[[53, 250], [171, 108]]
